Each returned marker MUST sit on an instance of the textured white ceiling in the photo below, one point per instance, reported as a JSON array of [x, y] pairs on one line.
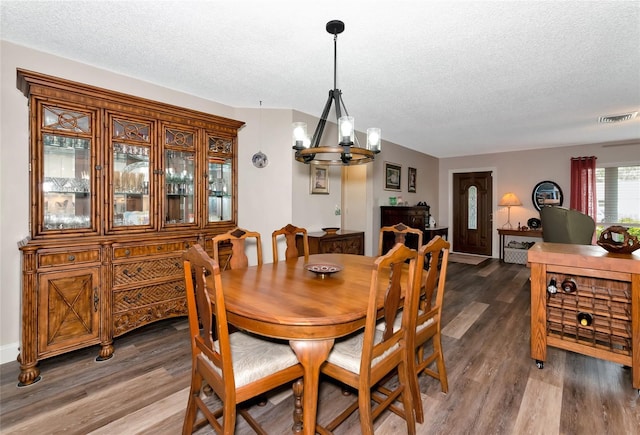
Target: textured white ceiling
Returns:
[[446, 78]]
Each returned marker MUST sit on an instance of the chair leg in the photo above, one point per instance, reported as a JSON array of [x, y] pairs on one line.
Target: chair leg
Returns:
[[442, 371], [404, 376], [192, 408], [298, 388], [364, 408], [228, 417], [414, 385]]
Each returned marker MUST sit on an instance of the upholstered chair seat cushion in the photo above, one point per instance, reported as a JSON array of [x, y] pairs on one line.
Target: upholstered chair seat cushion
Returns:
[[255, 358], [398, 321], [347, 353]]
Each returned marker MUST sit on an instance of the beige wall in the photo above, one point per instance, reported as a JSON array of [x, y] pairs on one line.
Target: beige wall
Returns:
[[269, 198], [520, 171]]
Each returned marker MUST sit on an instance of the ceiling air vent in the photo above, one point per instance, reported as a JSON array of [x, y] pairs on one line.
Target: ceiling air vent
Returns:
[[618, 118]]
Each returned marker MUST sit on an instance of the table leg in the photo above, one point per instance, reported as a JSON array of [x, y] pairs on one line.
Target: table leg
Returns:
[[538, 313], [311, 354]]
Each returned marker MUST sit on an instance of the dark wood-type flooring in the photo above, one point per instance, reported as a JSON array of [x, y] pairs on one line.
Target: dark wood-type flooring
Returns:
[[494, 386]]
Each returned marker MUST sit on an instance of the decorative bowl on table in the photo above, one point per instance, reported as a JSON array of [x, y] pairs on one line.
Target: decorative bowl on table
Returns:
[[323, 270], [616, 239], [330, 230]]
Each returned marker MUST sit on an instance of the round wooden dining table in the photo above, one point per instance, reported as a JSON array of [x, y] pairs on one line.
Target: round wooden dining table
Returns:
[[285, 300]]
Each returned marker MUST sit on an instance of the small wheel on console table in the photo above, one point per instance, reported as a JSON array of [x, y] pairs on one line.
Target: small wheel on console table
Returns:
[[540, 364]]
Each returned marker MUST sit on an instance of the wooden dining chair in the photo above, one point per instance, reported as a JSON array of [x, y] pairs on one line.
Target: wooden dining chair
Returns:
[[238, 237], [426, 318], [400, 232], [289, 232], [362, 360], [237, 367]]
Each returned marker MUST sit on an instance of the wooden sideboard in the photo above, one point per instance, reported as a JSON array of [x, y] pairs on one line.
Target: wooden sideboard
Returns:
[[341, 242], [414, 217], [607, 292]]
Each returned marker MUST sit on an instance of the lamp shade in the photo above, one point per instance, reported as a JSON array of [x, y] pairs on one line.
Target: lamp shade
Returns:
[[509, 199]]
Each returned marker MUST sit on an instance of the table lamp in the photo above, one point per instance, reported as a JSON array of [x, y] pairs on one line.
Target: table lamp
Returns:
[[509, 200]]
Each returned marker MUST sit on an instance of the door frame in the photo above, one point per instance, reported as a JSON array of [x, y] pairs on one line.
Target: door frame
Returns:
[[494, 195]]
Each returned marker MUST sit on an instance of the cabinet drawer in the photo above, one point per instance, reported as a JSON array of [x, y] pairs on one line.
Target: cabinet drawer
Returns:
[[151, 249], [138, 307], [132, 272], [351, 245], [76, 256], [126, 300]]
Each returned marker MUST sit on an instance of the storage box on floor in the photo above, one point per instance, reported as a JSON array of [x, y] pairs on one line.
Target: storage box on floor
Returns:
[[516, 252]]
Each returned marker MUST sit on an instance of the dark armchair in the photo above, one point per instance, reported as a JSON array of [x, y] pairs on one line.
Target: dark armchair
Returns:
[[562, 225]]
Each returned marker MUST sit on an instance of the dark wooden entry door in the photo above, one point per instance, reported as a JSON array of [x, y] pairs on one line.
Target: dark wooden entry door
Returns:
[[472, 212]]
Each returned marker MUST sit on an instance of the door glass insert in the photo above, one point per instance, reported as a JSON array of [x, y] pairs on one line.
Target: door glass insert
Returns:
[[57, 118], [220, 177], [472, 206]]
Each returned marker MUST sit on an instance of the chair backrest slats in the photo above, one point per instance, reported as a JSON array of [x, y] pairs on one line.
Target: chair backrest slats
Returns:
[[400, 231], [387, 283], [290, 231], [211, 314], [238, 237]]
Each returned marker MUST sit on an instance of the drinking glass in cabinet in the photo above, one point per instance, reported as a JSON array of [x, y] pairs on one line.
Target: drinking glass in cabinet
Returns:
[[179, 187], [66, 183], [220, 189], [131, 176]]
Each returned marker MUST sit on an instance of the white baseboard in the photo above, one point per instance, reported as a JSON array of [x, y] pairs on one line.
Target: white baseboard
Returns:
[[9, 352]]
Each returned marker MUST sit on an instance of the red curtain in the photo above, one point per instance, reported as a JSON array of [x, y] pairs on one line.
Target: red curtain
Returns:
[[583, 185]]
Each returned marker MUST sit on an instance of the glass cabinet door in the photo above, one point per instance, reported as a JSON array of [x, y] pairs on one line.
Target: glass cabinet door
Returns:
[[67, 169], [220, 178], [131, 149], [220, 189], [179, 169]]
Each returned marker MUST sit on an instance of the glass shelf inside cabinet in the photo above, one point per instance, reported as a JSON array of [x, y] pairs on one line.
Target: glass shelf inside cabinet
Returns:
[[179, 187], [130, 184], [66, 184], [220, 190]]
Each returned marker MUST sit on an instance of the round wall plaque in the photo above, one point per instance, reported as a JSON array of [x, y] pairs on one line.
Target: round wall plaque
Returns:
[[260, 160]]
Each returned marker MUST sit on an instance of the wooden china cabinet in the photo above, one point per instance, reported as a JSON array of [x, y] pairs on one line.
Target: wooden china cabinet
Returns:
[[120, 186]]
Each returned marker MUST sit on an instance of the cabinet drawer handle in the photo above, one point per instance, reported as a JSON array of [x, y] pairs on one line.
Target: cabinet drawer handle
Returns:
[[127, 252], [131, 275], [159, 248], [129, 300], [96, 299], [71, 258]]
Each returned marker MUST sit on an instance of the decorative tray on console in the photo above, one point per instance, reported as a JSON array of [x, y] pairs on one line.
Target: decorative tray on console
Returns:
[[323, 270], [330, 230]]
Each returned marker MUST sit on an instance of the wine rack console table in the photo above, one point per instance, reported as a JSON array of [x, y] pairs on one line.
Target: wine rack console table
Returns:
[[602, 287]]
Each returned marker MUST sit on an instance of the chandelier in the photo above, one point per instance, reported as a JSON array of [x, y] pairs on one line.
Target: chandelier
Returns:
[[348, 150]]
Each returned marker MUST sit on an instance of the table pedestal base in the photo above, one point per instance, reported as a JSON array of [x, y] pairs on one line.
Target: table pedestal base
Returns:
[[311, 354]]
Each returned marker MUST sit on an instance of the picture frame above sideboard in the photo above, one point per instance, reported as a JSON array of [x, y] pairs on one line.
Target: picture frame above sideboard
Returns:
[[319, 175], [392, 176], [411, 179]]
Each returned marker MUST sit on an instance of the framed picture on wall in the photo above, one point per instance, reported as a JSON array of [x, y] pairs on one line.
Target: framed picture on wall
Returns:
[[392, 176], [411, 182], [319, 179]]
